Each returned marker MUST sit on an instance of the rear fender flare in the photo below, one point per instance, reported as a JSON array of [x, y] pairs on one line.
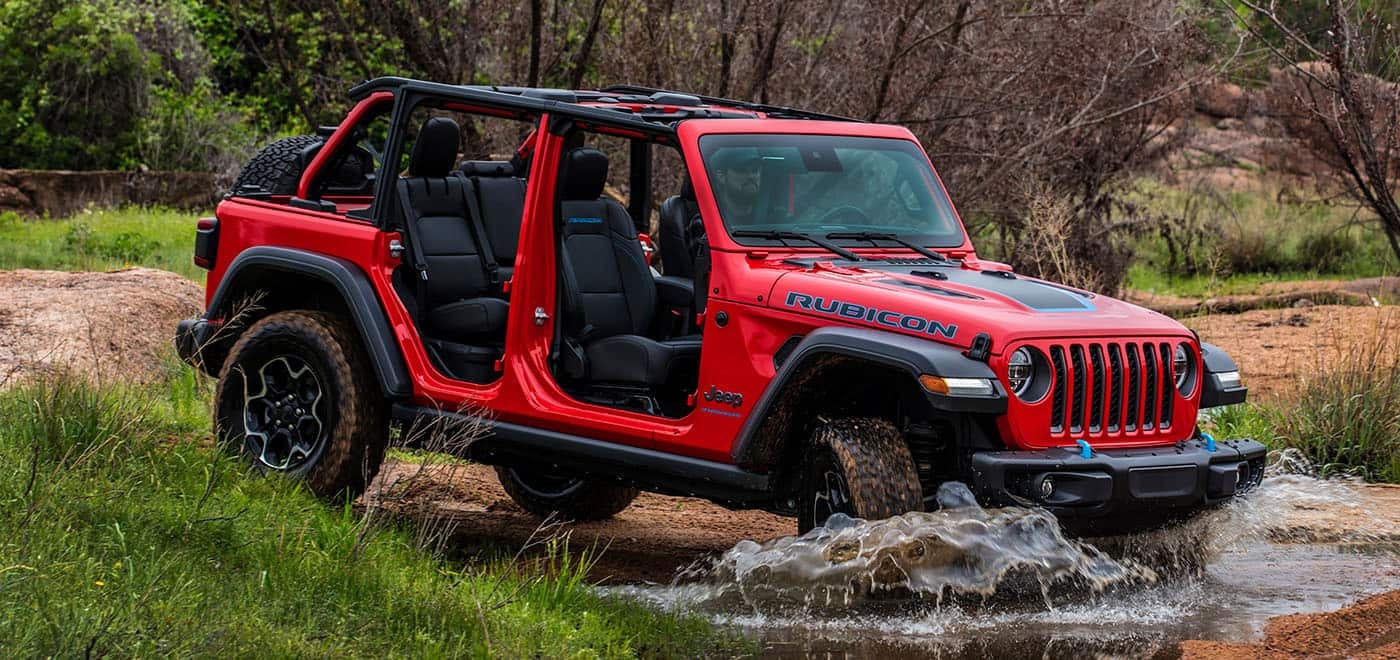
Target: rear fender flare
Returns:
[[908, 355], [354, 288]]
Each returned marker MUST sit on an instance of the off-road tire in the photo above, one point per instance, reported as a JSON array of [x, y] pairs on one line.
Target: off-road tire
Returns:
[[572, 498], [350, 445], [277, 168], [872, 459]]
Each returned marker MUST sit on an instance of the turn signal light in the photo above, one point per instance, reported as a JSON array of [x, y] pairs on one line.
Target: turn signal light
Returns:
[[957, 386]]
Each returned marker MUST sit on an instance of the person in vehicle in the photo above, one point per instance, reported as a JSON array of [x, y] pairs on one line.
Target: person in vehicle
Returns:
[[737, 173]]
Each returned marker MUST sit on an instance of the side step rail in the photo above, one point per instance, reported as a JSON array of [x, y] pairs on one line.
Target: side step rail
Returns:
[[503, 442]]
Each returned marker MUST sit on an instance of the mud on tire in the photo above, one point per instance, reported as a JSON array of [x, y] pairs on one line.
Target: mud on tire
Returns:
[[860, 467], [277, 168], [298, 397], [573, 498]]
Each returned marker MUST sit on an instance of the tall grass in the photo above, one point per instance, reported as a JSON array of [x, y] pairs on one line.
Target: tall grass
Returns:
[[127, 534], [102, 240], [1346, 414]]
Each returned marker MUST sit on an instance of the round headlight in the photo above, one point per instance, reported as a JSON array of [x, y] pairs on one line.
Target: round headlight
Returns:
[[1019, 371], [1181, 367]]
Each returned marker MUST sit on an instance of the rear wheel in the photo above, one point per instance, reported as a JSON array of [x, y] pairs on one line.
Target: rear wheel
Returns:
[[298, 397], [543, 492], [860, 467]]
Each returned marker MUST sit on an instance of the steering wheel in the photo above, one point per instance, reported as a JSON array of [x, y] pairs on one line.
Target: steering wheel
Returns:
[[845, 210]]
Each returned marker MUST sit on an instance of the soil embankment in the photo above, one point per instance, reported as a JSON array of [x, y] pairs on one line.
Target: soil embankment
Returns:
[[1368, 629], [116, 326]]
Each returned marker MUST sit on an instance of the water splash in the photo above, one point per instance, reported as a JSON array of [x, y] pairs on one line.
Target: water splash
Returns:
[[959, 549], [969, 582]]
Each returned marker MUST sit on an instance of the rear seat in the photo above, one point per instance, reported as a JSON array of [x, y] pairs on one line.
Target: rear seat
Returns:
[[501, 197]]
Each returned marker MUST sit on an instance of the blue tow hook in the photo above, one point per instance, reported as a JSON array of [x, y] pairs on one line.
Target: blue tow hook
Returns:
[[1085, 451], [1210, 441]]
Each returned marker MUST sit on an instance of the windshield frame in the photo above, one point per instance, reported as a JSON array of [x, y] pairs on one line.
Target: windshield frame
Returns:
[[942, 208]]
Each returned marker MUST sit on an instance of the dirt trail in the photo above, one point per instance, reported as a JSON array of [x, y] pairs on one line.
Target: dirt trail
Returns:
[[116, 325], [646, 543]]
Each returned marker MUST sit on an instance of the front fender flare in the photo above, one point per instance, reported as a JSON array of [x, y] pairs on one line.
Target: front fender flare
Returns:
[[907, 354], [354, 288]]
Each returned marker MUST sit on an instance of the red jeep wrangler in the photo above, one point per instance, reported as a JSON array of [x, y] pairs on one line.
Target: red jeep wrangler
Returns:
[[824, 337]]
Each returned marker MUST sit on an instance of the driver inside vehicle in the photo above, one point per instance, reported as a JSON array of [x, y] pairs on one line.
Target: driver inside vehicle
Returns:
[[737, 173]]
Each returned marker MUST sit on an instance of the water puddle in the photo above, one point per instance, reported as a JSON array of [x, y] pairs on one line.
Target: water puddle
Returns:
[[969, 582]]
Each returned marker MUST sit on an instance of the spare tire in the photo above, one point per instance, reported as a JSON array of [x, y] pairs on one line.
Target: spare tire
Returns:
[[277, 167]]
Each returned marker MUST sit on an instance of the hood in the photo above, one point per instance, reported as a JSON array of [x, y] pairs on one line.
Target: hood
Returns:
[[953, 302]]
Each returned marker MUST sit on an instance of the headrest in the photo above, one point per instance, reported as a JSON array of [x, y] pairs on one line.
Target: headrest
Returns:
[[435, 150], [488, 168], [585, 173]]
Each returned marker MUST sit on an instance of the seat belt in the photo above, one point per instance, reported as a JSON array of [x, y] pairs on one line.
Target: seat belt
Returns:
[[574, 361], [488, 252], [415, 250]]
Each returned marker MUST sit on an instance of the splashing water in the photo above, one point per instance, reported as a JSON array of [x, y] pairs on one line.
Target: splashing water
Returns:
[[964, 550], [959, 549]]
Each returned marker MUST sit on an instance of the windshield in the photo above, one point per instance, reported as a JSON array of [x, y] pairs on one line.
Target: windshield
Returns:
[[823, 184]]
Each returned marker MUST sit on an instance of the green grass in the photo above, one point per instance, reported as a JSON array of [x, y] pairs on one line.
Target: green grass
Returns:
[[102, 240], [127, 534]]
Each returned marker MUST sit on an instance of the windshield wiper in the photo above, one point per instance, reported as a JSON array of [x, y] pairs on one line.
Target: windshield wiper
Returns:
[[873, 236], [778, 235]]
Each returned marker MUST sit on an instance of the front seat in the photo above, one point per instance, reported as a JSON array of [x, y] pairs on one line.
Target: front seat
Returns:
[[610, 293], [456, 296], [677, 253]]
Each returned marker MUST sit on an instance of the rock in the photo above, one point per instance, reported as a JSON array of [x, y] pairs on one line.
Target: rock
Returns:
[[1222, 99], [1302, 302], [1230, 124]]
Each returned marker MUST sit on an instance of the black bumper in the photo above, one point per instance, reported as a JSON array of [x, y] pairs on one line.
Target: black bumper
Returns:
[[1119, 491], [195, 341]]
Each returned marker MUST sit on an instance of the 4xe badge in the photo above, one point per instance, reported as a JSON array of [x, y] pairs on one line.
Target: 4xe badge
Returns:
[[716, 395]]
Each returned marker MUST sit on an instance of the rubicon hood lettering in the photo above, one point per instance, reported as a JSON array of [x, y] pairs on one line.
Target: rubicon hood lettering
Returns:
[[858, 312]]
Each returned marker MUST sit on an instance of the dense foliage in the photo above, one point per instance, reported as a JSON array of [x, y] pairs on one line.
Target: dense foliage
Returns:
[[1030, 110]]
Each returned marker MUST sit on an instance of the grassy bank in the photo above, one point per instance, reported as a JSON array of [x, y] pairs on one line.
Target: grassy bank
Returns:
[[1345, 416], [102, 240], [128, 534]]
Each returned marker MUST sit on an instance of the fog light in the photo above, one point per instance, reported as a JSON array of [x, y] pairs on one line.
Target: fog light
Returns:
[[1047, 488]]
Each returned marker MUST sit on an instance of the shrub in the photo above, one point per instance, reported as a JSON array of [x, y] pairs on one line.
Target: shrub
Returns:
[[1347, 416], [1328, 251], [108, 84]]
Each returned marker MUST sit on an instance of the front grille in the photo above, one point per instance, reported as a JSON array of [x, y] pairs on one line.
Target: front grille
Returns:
[[1117, 388]]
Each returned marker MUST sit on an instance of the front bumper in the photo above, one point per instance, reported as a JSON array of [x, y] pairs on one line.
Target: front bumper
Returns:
[[1119, 491]]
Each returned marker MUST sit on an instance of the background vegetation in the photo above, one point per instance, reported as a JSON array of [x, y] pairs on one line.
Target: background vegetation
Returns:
[[1025, 107]]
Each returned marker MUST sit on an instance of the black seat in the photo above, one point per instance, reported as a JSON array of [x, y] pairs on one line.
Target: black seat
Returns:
[[611, 297], [455, 297], [502, 196], [677, 251]]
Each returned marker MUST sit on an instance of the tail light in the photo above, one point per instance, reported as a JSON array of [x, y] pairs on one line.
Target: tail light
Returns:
[[206, 242]]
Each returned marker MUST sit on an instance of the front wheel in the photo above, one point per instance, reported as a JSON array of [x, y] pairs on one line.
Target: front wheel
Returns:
[[544, 493], [859, 467], [298, 397]]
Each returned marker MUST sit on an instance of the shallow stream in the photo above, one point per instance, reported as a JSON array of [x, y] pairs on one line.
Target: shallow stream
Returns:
[[968, 582]]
